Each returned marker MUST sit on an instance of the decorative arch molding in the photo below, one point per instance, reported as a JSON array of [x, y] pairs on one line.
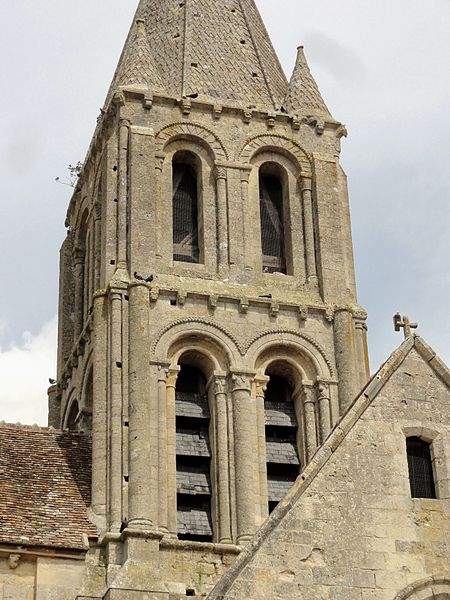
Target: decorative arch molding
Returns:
[[432, 588], [278, 143], [290, 337], [191, 130], [188, 328]]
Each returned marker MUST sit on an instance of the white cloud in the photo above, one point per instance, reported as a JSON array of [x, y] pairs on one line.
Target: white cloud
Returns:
[[24, 372]]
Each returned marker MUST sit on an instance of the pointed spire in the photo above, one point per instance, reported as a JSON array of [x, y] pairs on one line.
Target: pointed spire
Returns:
[[137, 67], [207, 49], [304, 98]]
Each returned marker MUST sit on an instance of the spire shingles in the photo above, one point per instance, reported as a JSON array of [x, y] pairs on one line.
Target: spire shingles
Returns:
[[304, 98], [214, 50]]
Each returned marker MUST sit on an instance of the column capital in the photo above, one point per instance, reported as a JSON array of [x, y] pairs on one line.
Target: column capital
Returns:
[[220, 385], [309, 394], [242, 380], [163, 372], [261, 382], [306, 183], [220, 172], [172, 376], [124, 123]]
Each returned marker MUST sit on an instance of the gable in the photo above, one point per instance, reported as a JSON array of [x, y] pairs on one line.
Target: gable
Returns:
[[349, 528]]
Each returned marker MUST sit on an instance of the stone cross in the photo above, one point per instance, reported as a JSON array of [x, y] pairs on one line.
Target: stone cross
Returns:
[[406, 324]]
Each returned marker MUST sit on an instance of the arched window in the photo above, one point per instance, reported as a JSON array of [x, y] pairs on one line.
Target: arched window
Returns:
[[73, 417], [420, 468], [272, 219], [281, 439], [185, 208], [193, 455]]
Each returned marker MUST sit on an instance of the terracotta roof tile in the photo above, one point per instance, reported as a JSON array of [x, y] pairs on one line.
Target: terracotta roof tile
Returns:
[[45, 481]]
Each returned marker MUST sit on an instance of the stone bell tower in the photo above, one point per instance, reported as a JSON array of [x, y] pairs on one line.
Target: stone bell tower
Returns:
[[209, 332]]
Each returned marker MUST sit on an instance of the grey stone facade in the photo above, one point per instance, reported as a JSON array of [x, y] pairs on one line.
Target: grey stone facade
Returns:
[[199, 82]]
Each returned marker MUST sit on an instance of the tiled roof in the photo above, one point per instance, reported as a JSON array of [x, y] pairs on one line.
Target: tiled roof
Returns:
[[214, 50], [45, 481]]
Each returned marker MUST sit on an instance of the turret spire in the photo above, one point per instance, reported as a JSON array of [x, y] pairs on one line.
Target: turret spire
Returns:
[[304, 98]]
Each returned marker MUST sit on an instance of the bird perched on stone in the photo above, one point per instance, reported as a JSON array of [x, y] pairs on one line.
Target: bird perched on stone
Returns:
[[124, 525], [149, 279], [52, 381], [137, 276]]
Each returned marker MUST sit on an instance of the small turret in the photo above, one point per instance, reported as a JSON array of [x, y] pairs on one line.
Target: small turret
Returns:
[[304, 98]]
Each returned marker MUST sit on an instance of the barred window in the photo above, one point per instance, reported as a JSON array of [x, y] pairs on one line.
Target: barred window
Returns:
[[272, 220], [420, 468], [185, 210]]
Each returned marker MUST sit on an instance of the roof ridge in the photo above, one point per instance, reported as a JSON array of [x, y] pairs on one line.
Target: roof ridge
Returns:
[[257, 52], [39, 429]]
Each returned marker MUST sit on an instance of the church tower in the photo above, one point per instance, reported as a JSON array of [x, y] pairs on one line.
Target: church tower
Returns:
[[209, 331]]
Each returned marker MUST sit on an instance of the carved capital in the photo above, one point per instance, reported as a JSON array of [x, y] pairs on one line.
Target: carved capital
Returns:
[[220, 385], [172, 376], [261, 382], [163, 372], [124, 123], [323, 391], [245, 176], [220, 172], [309, 395], [159, 161], [241, 382]]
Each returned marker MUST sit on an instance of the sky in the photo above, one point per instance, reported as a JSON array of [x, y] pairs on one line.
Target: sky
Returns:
[[384, 70]]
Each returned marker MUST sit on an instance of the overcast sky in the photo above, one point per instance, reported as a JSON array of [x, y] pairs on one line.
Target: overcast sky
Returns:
[[384, 69]]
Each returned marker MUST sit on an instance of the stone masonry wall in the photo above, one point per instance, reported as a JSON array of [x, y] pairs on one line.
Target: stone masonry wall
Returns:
[[355, 533]]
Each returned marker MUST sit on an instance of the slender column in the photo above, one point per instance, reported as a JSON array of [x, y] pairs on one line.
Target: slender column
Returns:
[[244, 460], [344, 343], [222, 221], [248, 254], [308, 218], [162, 449], [122, 193], [362, 350], [223, 492], [97, 244], [261, 386], [140, 485], [324, 411], [159, 163], [171, 436], [309, 410], [99, 414], [78, 260], [115, 412]]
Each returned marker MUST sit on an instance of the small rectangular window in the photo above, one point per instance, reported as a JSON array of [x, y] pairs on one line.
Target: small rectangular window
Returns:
[[420, 468]]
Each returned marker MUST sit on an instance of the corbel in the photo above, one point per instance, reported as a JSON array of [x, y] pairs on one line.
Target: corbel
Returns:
[[244, 305], [181, 298], [271, 118], [186, 106], [217, 111], [274, 310]]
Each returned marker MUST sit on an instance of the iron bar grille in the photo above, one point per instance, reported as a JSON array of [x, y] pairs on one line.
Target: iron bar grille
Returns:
[[420, 468]]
